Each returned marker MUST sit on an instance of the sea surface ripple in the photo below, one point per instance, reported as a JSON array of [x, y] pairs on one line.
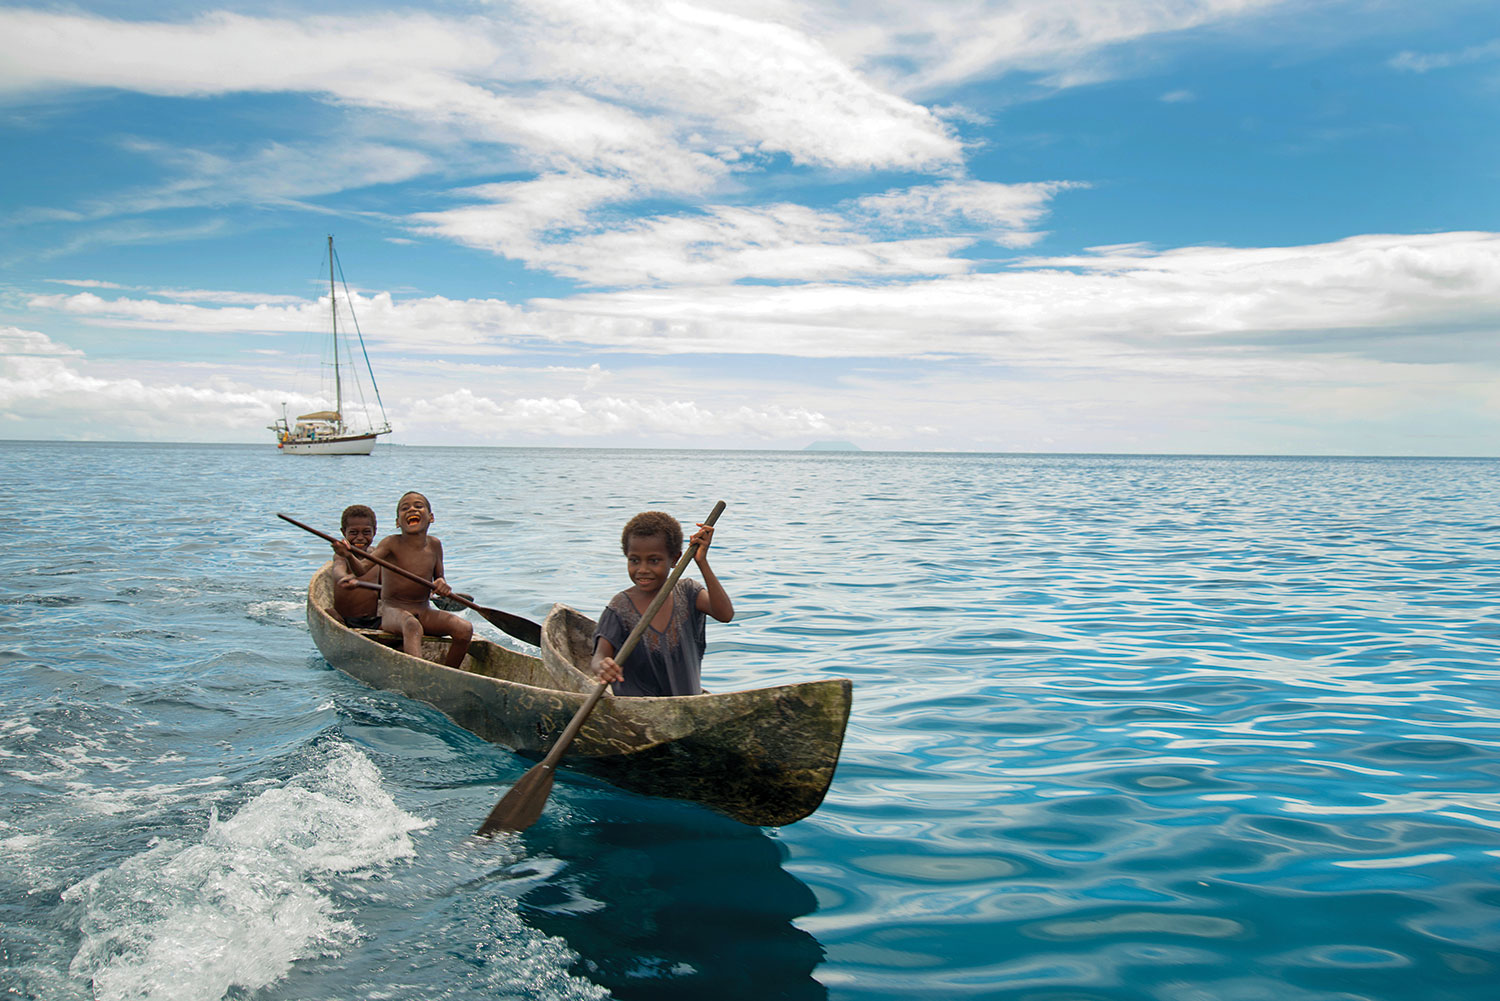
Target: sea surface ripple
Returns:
[[1125, 728]]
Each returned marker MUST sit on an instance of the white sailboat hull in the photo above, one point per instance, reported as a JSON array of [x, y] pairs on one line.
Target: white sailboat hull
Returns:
[[359, 444]]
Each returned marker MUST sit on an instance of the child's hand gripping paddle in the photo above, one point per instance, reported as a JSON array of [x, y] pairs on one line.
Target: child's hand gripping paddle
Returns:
[[520, 807], [522, 629]]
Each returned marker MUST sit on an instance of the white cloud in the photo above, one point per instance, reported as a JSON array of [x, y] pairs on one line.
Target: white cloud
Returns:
[[1371, 282], [1375, 296], [53, 391], [759, 84], [545, 223], [152, 314], [222, 52], [1422, 297], [33, 343], [221, 296], [85, 283], [435, 323], [657, 89], [923, 48], [1296, 405], [1420, 62], [604, 101], [724, 244], [128, 231], [518, 218], [1005, 212], [610, 418], [274, 173], [52, 395], [182, 295], [608, 102]]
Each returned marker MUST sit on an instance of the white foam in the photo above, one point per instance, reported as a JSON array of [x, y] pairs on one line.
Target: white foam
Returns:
[[22, 843], [235, 910], [276, 612]]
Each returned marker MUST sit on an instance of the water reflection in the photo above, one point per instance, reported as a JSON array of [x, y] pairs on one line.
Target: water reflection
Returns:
[[664, 901]]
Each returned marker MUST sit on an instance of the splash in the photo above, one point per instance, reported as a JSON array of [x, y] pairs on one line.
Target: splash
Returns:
[[276, 613], [237, 909]]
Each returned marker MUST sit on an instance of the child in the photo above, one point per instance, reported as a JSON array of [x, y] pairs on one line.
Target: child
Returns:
[[358, 604], [668, 659], [404, 608]]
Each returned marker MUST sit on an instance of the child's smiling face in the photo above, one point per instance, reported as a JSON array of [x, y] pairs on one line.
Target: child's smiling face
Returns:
[[360, 532], [648, 562], [413, 513]]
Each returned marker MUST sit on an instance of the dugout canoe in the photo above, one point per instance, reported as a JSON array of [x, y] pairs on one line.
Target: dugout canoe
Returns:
[[763, 756]]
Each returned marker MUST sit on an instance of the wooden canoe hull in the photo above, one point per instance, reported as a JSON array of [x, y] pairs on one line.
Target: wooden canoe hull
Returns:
[[764, 756]]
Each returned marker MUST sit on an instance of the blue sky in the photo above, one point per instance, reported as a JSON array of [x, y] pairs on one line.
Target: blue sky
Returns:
[[1262, 226]]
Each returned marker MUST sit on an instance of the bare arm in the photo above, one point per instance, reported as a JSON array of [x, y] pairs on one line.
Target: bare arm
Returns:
[[441, 586], [603, 664], [347, 561], [343, 574], [383, 550], [713, 599]]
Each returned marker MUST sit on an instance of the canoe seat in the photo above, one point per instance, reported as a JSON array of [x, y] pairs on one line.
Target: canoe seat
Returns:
[[381, 637]]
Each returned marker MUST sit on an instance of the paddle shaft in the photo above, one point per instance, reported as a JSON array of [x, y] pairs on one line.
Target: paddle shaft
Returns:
[[380, 562], [662, 595], [522, 629]]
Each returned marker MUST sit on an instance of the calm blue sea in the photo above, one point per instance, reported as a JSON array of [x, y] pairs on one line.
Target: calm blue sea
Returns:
[[1125, 728]]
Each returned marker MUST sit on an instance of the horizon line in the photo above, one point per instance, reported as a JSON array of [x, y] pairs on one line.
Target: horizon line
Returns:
[[789, 450]]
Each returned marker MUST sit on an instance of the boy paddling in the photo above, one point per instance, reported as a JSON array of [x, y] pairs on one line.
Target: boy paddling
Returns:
[[358, 606], [404, 606]]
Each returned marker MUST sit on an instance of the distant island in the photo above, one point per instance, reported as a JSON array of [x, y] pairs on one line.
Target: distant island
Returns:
[[832, 446]]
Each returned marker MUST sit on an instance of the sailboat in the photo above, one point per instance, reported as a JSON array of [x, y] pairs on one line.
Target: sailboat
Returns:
[[332, 432]]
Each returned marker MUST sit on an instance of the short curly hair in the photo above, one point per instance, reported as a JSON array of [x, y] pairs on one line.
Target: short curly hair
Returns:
[[649, 523], [355, 511], [413, 493]]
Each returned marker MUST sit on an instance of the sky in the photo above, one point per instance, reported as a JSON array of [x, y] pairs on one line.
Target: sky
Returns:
[[1141, 226]]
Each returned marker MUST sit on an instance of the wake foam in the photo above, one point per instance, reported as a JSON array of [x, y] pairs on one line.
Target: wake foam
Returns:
[[237, 909], [276, 613]]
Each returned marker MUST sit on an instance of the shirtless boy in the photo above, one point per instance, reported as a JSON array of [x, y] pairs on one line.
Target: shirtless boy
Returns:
[[356, 597], [404, 607]]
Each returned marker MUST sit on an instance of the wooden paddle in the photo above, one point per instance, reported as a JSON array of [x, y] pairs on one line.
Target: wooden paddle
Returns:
[[520, 807], [522, 629]]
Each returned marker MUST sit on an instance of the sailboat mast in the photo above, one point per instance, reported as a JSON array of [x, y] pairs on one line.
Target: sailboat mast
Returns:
[[338, 385]]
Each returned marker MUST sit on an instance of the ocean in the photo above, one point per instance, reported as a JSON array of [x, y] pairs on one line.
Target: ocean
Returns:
[[1124, 728]]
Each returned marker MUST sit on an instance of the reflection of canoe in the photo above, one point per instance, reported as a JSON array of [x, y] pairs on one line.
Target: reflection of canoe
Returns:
[[680, 906], [763, 756]]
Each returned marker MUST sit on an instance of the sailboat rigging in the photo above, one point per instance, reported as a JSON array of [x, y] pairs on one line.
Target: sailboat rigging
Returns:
[[332, 432]]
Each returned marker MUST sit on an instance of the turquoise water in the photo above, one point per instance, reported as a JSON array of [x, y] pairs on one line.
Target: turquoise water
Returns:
[[1124, 728]]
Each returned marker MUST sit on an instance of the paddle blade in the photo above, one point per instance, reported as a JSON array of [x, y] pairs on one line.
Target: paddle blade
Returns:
[[512, 625], [520, 807]]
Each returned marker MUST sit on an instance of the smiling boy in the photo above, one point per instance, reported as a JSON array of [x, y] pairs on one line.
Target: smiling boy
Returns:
[[358, 604], [404, 607]]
